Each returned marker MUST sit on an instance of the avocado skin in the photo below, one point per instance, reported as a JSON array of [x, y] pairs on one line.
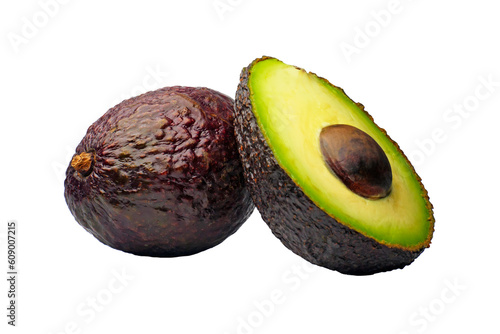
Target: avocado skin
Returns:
[[166, 180], [293, 218]]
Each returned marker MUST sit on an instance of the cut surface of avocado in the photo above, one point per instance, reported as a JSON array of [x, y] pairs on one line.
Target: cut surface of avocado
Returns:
[[292, 107]]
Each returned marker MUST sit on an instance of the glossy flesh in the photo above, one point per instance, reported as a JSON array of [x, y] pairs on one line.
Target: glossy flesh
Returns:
[[291, 107]]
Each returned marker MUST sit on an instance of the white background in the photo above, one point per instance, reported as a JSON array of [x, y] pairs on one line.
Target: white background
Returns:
[[63, 65]]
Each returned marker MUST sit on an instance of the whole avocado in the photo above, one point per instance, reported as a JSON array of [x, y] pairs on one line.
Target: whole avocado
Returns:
[[159, 174]]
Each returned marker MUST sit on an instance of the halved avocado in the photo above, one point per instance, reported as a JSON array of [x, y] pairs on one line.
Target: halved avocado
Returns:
[[331, 184]]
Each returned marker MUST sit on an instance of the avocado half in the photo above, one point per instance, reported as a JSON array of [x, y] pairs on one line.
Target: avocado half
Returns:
[[281, 114]]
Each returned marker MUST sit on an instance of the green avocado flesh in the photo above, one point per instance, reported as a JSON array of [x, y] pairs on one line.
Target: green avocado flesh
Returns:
[[291, 107]]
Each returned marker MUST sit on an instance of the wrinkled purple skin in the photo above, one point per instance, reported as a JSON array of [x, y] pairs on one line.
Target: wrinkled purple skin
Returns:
[[166, 180]]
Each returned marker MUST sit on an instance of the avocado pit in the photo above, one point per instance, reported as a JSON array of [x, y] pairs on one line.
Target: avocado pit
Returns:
[[357, 160]]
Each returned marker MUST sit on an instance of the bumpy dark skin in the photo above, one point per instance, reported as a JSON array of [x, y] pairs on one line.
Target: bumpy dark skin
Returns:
[[165, 179], [293, 218]]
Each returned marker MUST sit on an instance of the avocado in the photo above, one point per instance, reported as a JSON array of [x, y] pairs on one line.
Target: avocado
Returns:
[[331, 184], [159, 174]]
